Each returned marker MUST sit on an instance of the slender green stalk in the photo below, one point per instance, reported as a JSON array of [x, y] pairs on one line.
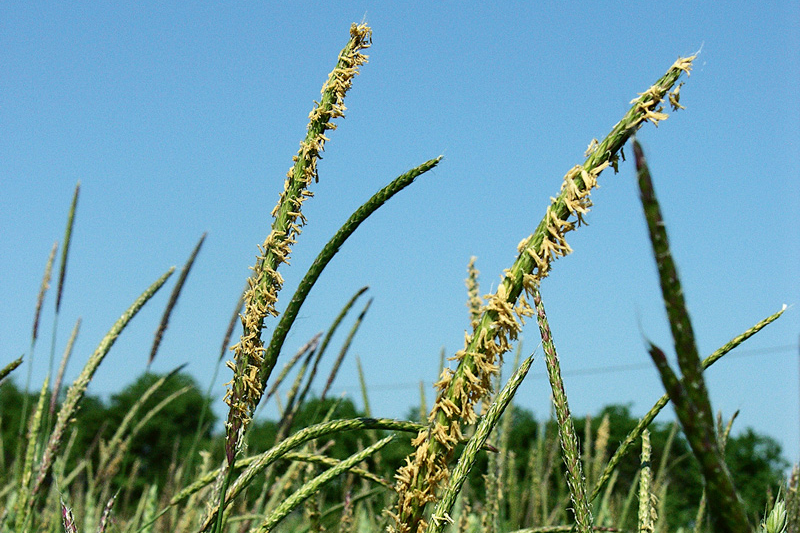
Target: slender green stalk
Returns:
[[566, 428], [648, 418], [78, 388], [440, 516], [48, 270], [311, 487], [665, 453], [345, 347], [62, 367], [173, 299], [363, 385], [30, 453], [501, 317], [110, 461], [689, 395]]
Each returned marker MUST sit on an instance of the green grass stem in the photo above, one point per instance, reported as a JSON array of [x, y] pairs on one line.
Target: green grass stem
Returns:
[[332, 247], [345, 348], [566, 428], [173, 299]]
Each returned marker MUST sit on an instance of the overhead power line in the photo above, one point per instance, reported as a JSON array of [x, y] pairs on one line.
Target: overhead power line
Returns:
[[604, 369]]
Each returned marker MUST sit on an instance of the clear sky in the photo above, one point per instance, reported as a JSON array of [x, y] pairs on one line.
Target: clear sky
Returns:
[[182, 117]]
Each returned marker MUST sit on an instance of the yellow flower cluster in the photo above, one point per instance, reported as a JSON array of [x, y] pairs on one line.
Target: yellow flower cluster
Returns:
[[248, 381], [501, 319]]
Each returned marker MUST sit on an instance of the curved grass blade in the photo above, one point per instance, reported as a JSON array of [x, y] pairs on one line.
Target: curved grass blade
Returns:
[[332, 247]]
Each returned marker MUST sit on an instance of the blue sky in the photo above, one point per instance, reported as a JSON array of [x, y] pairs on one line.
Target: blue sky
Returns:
[[181, 118]]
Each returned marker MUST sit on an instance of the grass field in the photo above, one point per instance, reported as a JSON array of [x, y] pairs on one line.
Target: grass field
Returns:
[[563, 483]]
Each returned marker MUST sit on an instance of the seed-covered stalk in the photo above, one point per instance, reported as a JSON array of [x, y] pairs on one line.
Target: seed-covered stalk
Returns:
[[647, 509], [500, 320], [78, 388], [441, 516], [474, 302], [566, 428], [250, 367], [10, 367], [173, 299]]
